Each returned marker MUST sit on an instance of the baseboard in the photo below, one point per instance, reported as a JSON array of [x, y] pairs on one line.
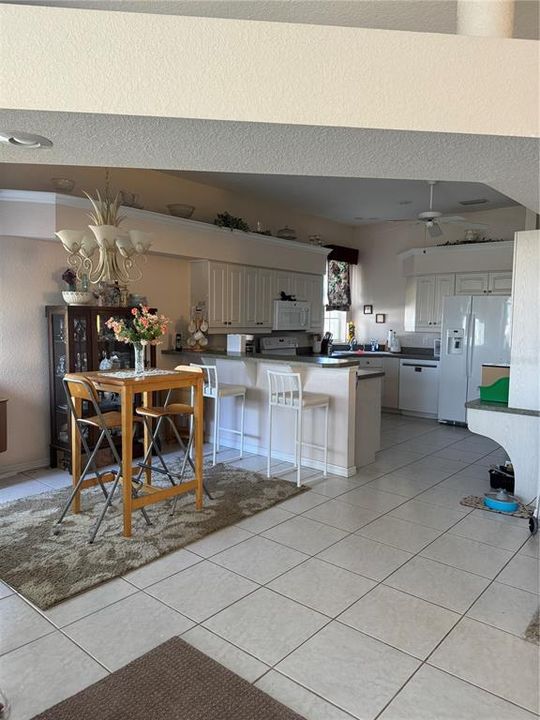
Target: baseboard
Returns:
[[9, 470], [234, 444]]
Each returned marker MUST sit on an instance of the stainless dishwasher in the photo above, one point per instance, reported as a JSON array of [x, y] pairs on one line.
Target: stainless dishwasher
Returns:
[[419, 386]]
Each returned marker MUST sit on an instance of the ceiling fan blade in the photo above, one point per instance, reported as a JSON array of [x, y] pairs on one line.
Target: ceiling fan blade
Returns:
[[434, 230], [451, 219]]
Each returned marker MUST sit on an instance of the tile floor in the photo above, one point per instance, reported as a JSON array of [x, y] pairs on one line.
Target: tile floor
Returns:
[[379, 596]]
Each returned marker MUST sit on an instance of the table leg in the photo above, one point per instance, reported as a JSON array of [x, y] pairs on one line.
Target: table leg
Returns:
[[76, 454], [147, 402], [126, 397], [198, 441]]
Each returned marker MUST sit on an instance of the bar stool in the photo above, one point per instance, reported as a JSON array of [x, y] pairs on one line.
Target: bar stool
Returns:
[[217, 391], [285, 391], [167, 412], [82, 389]]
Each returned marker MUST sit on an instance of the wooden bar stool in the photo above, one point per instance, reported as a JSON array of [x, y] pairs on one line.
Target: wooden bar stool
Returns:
[[217, 391], [167, 413], [285, 391], [82, 389]]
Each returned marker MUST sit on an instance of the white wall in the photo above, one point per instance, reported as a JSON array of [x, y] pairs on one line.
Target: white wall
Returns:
[[378, 279]]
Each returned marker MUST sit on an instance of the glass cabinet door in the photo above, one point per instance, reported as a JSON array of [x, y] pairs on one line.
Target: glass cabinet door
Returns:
[[80, 345], [59, 367], [109, 353]]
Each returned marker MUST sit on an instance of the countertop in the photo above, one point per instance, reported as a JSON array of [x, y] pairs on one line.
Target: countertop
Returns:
[[500, 407], [321, 361], [407, 354]]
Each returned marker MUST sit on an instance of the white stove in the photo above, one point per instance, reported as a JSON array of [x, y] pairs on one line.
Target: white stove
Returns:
[[278, 345]]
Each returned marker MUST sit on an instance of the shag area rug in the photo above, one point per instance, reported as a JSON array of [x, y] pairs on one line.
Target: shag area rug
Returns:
[[532, 633], [175, 681], [48, 568]]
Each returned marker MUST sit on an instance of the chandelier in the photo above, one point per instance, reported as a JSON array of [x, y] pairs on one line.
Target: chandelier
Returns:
[[117, 251]]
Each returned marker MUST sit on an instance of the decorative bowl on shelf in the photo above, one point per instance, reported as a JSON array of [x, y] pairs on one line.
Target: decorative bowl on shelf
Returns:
[[181, 211], [73, 297], [286, 233]]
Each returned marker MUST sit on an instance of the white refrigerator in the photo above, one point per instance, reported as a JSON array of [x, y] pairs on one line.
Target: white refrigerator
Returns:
[[476, 329]]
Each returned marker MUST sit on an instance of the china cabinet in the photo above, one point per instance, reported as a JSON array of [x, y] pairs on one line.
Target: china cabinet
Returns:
[[79, 340]]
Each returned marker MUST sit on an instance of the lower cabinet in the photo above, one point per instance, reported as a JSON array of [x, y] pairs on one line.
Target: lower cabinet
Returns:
[[390, 383]]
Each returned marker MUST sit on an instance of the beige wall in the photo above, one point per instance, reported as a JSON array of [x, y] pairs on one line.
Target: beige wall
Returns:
[[30, 278], [158, 189], [378, 279]]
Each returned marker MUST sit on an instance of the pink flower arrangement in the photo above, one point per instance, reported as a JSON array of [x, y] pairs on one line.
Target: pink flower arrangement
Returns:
[[146, 328]]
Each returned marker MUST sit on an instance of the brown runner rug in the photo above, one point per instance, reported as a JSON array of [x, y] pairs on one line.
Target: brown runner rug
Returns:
[[175, 681], [48, 568]]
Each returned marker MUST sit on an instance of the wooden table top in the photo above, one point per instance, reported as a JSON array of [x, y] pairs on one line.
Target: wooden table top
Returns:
[[139, 383]]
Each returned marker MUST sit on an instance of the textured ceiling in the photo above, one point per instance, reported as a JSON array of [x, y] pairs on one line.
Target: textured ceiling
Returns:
[[413, 15], [509, 165], [355, 200]]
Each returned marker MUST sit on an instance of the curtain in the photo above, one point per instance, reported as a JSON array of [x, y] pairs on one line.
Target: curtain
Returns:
[[339, 285]]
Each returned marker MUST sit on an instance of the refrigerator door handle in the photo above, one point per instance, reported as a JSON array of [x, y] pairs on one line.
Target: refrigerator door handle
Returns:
[[470, 336]]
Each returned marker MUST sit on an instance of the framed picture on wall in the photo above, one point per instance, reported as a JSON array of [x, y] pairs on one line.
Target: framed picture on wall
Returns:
[[368, 309], [380, 318]]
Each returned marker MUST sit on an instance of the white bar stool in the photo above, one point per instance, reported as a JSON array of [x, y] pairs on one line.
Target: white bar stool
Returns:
[[285, 391], [217, 391]]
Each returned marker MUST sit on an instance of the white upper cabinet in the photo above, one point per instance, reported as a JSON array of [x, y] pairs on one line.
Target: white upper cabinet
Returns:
[[425, 295], [241, 297], [472, 283], [500, 283]]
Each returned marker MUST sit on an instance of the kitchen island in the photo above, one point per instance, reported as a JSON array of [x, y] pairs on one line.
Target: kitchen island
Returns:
[[354, 415]]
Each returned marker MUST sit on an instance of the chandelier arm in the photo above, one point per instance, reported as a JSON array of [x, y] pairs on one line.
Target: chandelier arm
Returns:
[[131, 265], [75, 261]]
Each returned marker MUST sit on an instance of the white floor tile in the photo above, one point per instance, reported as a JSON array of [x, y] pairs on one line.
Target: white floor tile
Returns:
[[259, 559], [493, 660], [506, 608], [342, 515], [122, 632], [400, 484], [332, 487], [400, 534], [366, 557], [201, 590], [162, 567], [435, 695], [217, 541], [468, 555], [304, 501], [226, 654], [5, 590], [20, 490], [302, 701], [532, 547], [264, 520], [88, 602], [44, 672], [441, 584], [401, 620], [305, 535], [521, 572], [350, 670], [375, 500], [507, 537], [432, 516], [20, 623], [326, 588], [266, 625]]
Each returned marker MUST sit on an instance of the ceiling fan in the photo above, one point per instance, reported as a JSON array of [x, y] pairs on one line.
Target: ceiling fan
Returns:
[[432, 219]]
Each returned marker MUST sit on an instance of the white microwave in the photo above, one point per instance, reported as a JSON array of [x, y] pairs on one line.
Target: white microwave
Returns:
[[291, 315]]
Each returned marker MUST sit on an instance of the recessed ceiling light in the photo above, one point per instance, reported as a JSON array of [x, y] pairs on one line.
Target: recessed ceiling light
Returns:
[[480, 201], [25, 140], [405, 202]]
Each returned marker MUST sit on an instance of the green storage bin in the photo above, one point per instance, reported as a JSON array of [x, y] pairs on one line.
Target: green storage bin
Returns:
[[497, 393]]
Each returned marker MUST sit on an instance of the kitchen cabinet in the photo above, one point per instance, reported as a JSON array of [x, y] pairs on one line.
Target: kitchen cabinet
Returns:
[[390, 386], [496, 283], [500, 283], [424, 302], [472, 283], [241, 297], [390, 381], [419, 386]]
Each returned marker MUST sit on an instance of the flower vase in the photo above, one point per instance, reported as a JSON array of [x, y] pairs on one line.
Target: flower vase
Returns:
[[139, 358]]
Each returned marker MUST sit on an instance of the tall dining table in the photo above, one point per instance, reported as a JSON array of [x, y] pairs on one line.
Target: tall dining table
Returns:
[[126, 384]]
